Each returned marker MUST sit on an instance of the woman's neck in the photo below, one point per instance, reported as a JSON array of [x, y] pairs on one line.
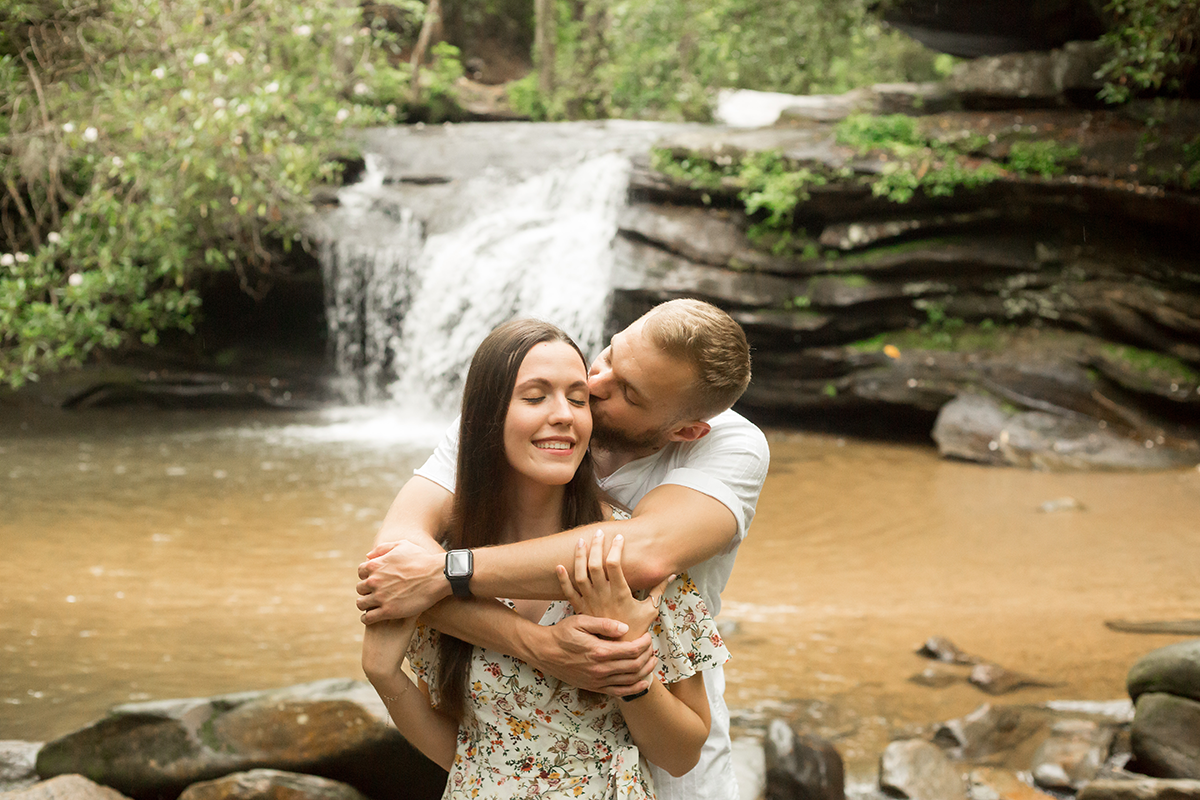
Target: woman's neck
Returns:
[[535, 510]]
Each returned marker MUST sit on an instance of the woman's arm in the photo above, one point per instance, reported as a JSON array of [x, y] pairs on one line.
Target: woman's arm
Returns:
[[669, 723], [431, 732]]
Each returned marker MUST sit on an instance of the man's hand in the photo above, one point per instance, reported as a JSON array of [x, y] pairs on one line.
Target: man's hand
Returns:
[[400, 580], [581, 651]]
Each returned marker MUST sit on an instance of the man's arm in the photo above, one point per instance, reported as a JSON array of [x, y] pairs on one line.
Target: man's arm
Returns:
[[672, 529], [403, 578]]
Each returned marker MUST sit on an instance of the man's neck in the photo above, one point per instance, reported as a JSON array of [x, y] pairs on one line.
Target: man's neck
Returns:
[[609, 461]]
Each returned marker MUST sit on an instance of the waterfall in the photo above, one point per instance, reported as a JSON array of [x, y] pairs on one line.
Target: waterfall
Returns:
[[408, 299]]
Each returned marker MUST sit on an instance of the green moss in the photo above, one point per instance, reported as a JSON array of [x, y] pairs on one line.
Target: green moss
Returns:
[[963, 339], [854, 280], [1150, 363]]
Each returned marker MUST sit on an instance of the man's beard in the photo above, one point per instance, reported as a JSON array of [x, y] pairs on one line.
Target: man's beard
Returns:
[[612, 439]]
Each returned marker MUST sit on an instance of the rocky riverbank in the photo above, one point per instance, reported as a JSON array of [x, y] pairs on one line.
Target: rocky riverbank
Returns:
[[330, 740]]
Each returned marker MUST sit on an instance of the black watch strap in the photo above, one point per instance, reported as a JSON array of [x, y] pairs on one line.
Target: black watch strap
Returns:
[[460, 566]]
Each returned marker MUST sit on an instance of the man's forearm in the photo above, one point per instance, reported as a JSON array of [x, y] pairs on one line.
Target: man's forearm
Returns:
[[488, 623]]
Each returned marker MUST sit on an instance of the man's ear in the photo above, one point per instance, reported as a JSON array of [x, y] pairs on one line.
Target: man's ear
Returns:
[[690, 432]]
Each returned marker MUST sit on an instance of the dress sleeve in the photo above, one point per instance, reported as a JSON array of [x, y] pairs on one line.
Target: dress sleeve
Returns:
[[423, 658], [685, 635]]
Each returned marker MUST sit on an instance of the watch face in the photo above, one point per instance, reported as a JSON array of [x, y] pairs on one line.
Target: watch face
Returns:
[[458, 562]]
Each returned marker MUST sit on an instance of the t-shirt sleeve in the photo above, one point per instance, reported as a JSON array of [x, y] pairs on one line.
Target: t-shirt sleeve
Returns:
[[729, 465], [685, 636], [442, 466]]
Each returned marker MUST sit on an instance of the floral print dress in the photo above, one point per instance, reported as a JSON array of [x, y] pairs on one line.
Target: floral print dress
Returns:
[[526, 735]]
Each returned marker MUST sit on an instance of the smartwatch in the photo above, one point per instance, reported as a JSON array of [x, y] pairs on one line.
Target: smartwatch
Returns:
[[460, 566]]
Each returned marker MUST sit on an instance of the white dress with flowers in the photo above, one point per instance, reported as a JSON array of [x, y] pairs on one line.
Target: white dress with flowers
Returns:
[[527, 735]]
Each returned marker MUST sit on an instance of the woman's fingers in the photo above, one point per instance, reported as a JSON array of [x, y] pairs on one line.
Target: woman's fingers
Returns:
[[656, 594], [596, 561], [564, 580], [582, 582], [612, 562]]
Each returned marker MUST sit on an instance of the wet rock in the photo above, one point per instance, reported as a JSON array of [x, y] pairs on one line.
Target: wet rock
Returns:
[[1047, 77], [1141, 789], [800, 766], [989, 783], [1072, 755], [1166, 736], [17, 762], [942, 649], [918, 770], [1172, 627], [271, 784], [977, 428], [65, 787], [935, 678], [990, 731], [1174, 669], [336, 729], [995, 679]]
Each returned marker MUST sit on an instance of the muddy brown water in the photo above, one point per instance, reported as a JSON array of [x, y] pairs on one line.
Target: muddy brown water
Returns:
[[153, 555]]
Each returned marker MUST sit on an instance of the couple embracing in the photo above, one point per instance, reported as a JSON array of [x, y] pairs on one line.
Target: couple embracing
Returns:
[[605, 505]]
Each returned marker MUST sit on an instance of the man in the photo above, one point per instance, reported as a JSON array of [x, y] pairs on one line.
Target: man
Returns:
[[666, 445]]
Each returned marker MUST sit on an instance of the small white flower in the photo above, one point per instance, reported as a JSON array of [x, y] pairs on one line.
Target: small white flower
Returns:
[[91, 134], [234, 57], [159, 73], [243, 108], [303, 30], [343, 115], [117, 161], [53, 237], [272, 87], [347, 40], [361, 88], [7, 260], [200, 59], [187, 95], [22, 257], [219, 102], [68, 127], [76, 279]]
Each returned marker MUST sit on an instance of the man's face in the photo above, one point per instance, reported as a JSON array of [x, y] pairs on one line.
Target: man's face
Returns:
[[638, 393]]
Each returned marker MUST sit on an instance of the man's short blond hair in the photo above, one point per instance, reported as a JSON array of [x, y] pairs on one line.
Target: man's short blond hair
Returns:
[[708, 339]]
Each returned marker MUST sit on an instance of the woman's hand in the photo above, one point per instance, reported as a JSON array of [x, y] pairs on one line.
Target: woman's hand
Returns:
[[384, 646], [600, 590]]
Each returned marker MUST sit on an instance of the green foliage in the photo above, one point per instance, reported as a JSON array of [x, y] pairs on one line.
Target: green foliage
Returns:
[[667, 59], [1152, 363], [144, 143], [1155, 46], [773, 185], [937, 166]]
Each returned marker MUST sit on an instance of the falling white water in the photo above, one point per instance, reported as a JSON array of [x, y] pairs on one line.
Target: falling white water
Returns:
[[406, 312]]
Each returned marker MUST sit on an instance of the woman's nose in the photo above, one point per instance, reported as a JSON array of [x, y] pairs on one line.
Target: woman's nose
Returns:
[[560, 411]]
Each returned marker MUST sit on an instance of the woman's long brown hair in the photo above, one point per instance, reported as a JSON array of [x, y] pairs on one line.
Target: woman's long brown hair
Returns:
[[479, 509]]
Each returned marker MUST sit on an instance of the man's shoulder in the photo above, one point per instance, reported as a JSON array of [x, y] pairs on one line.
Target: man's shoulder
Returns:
[[730, 425]]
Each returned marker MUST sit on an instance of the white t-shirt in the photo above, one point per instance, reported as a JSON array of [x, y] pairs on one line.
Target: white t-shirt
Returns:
[[729, 465]]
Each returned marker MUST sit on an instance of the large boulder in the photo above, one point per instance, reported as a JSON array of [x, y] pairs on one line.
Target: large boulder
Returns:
[[1140, 789], [914, 769], [801, 767], [18, 761], [1072, 755], [1174, 669], [271, 784], [65, 787], [337, 729], [1166, 736]]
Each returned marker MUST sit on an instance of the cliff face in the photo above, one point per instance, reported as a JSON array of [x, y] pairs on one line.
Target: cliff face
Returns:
[[1040, 321]]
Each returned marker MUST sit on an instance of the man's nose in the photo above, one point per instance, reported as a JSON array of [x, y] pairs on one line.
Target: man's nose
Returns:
[[600, 383]]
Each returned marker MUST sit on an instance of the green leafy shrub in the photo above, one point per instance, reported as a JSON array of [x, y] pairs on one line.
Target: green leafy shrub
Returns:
[[144, 143], [1155, 47]]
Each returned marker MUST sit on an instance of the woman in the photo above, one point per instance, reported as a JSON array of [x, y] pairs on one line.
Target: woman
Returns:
[[499, 727]]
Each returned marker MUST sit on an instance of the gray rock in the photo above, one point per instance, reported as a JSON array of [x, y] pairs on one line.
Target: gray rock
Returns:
[[918, 770], [1166, 736], [990, 783], [336, 729], [1072, 755], [17, 764], [1141, 789], [991, 730], [65, 787], [271, 784], [1174, 669], [801, 767], [1034, 75], [976, 428]]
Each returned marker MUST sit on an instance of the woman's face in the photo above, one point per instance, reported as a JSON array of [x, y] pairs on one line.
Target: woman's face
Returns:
[[548, 425]]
